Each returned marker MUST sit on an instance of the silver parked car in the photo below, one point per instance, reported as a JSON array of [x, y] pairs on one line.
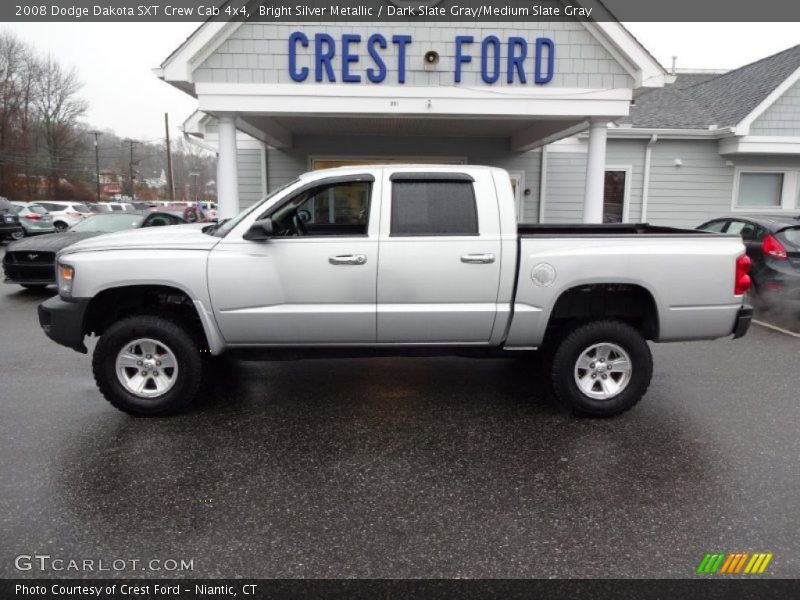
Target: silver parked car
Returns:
[[34, 219]]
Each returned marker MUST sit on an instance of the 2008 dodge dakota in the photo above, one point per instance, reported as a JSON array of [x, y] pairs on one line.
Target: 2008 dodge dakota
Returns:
[[398, 260]]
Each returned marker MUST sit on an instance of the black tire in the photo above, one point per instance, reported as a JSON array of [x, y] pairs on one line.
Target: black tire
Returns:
[[581, 338], [60, 226], [171, 333], [34, 286]]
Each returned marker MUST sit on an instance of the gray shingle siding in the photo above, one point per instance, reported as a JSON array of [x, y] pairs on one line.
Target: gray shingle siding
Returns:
[[698, 190], [782, 118], [258, 53], [250, 176]]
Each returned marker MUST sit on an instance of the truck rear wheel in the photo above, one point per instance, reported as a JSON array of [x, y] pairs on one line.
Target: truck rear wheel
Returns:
[[601, 369], [147, 365]]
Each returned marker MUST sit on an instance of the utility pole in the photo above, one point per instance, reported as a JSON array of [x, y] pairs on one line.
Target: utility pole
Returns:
[[195, 174], [130, 167], [170, 183], [96, 135]]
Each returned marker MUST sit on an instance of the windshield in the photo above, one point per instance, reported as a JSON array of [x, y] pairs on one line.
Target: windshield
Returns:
[[39, 210], [109, 223], [224, 227]]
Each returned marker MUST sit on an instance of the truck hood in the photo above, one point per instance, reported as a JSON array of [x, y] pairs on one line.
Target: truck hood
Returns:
[[173, 237]]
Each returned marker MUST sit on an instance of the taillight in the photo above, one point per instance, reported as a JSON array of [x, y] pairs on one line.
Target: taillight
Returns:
[[742, 282], [772, 247], [34, 217]]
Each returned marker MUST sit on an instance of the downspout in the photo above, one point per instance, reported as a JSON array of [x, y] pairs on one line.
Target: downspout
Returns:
[[542, 182], [648, 151]]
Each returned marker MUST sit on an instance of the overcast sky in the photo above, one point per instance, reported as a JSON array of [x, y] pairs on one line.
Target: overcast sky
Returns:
[[115, 60]]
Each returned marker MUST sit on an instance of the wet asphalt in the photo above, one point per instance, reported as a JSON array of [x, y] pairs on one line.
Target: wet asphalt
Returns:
[[401, 467]]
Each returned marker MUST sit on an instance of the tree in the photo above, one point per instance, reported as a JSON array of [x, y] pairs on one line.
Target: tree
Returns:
[[59, 108]]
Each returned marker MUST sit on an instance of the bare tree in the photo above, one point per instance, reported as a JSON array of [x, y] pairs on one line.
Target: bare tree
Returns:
[[59, 106]]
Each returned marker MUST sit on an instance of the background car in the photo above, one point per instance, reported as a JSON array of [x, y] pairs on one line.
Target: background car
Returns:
[[99, 208], [773, 244], [65, 214], [35, 219], [10, 227], [31, 262]]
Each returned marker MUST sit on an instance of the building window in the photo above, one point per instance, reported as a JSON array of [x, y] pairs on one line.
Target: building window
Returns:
[[614, 196], [760, 190]]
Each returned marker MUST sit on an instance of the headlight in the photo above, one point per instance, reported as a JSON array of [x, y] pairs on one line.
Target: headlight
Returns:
[[66, 275]]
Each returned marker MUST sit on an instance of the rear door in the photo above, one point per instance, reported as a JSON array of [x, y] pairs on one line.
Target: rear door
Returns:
[[440, 256]]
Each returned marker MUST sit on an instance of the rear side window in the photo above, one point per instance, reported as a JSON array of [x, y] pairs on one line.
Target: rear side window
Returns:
[[791, 235], [716, 226], [81, 208], [433, 208]]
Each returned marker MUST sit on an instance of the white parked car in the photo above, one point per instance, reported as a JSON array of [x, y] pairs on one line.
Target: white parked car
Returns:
[[65, 213], [121, 206], [34, 218]]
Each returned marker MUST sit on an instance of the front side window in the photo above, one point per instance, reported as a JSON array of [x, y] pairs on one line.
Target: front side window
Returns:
[[760, 190], [333, 209], [433, 208]]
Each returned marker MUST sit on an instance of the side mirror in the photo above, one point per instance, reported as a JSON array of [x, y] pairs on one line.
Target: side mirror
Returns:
[[260, 231]]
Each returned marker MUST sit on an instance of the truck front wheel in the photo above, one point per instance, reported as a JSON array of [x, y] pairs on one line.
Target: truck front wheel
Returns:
[[601, 369], [147, 365]]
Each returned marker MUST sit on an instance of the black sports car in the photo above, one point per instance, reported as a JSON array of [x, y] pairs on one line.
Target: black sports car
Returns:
[[773, 245], [31, 262]]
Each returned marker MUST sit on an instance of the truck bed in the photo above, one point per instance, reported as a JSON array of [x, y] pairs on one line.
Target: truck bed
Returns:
[[539, 229]]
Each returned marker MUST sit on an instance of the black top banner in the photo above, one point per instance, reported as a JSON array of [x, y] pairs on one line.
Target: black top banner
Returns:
[[431, 11]]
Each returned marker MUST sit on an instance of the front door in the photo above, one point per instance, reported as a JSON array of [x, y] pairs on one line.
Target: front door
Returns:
[[314, 281], [440, 256]]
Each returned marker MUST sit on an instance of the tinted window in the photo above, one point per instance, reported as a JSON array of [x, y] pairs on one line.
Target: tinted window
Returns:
[[791, 235], [743, 228], [716, 226], [433, 208], [81, 208]]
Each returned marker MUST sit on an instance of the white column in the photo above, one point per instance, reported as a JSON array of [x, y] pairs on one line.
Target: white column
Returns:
[[595, 172], [227, 172]]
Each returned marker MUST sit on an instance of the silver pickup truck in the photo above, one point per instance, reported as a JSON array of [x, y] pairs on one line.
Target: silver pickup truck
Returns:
[[393, 260]]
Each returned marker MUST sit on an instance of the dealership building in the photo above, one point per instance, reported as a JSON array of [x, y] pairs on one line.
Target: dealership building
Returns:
[[588, 124]]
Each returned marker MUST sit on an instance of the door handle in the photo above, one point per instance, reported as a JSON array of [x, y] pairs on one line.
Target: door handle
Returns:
[[348, 259], [478, 259]]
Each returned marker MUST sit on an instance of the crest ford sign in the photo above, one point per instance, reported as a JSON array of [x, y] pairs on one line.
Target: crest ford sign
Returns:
[[353, 58]]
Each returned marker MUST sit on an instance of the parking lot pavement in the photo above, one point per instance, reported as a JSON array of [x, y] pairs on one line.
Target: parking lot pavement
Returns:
[[402, 467]]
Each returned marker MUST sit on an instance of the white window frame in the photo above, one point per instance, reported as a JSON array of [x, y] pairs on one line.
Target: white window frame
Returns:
[[790, 194], [626, 197]]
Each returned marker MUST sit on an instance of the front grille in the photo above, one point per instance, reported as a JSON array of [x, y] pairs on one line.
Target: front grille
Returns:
[[30, 266]]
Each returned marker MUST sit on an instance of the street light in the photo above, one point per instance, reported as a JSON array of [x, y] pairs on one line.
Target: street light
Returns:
[[96, 135]]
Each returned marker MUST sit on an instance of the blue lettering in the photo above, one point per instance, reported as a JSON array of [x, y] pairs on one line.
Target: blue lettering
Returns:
[[323, 59], [516, 61], [542, 43], [460, 56], [490, 40], [379, 75], [296, 37], [348, 58], [402, 41]]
